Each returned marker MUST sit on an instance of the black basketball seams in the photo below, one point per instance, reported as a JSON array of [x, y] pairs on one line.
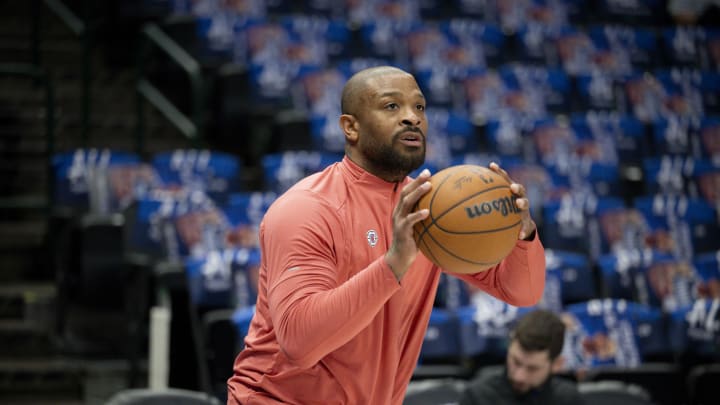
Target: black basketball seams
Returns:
[[451, 254]]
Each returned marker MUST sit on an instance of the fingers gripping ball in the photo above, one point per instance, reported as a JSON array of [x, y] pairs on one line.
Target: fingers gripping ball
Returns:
[[474, 221]]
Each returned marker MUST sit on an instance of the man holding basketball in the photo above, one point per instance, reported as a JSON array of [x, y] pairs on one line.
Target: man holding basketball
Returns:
[[344, 298]]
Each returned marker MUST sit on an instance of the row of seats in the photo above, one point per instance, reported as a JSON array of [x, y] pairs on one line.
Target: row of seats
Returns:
[[510, 13], [174, 215]]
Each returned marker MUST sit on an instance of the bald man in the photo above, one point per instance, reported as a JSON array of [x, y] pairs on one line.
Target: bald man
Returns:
[[344, 295]]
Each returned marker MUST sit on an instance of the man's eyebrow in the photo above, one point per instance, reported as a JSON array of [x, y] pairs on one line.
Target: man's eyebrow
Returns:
[[398, 93]]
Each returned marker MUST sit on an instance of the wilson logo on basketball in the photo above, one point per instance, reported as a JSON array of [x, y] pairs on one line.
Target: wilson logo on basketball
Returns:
[[504, 206]]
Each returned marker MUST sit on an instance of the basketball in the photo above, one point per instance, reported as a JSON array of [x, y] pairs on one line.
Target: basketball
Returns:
[[474, 221]]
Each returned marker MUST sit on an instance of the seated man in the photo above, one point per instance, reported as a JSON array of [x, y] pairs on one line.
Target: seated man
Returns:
[[532, 358]]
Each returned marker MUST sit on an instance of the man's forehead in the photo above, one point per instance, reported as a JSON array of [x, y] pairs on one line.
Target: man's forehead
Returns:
[[538, 357], [390, 83]]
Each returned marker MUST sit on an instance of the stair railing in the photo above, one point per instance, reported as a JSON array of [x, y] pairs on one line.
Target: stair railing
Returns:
[[191, 127], [39, 76], [80, 29]]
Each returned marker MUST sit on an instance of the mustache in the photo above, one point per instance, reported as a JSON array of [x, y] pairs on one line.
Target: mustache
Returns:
[[409, 129]]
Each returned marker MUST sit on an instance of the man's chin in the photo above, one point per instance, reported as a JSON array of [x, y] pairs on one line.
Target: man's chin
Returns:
[[520, 389]]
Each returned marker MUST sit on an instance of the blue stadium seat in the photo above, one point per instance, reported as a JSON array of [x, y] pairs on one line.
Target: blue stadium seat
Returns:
[[216, 173], [709, 143], [151, 223], [488, 38], [318, 90], [705, 181], [552, 84], [534, 44], [82, 175], [579, 54], [440, 84], [485, 325], [441, 341], [599, 90], [449, 134], [540, 185], [676, 136], [487, 96], [505, 136], [570, 223], [711, 60], [241, 319], [575, 274], [379, 38], [244, 212], [400, 11], [680, 225], [682, 45], [708, 268], [283, 170], [584, 159], [612, 332], [640, 45], [694, 330], [668, 174], [452, 293], [426, 44], [223, 278], [650, 278], [620, 228], [626, 132], [334, 32], [646, 12]]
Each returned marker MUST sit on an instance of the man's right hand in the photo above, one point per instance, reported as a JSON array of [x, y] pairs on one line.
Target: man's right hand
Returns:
[[403, 249]]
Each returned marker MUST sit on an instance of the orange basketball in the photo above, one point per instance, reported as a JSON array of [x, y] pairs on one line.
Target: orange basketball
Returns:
[[473, 223]]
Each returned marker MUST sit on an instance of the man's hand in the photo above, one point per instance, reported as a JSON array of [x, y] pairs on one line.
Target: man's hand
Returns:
[[528, 225], [403, 249]]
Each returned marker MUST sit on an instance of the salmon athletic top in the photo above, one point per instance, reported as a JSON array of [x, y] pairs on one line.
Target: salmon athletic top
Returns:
[[332, 324]]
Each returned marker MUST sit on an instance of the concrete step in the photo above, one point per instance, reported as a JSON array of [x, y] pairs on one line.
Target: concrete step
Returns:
[[62, 380]]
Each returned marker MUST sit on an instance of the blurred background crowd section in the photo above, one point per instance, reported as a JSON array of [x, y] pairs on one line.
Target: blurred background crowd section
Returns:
[[143, 140]]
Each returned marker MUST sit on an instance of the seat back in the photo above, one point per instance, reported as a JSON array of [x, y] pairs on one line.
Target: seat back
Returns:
[[172, 396], [613, 392], [436, 391]]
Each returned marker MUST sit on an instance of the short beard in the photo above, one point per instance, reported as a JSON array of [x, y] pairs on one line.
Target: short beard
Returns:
[[394, 165]]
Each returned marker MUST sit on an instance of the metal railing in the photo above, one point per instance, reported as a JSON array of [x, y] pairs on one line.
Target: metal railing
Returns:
[[39, 76], [191, 127], [79, 28]]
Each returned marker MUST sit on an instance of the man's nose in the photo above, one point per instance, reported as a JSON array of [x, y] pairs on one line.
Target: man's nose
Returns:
[[411, 118], [519, 374]]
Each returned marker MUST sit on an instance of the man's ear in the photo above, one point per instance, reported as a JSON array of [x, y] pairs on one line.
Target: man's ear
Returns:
[[349, 126], [558, 364]]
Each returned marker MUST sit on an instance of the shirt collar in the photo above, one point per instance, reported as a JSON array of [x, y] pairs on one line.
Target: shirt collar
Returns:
[[361, 175]]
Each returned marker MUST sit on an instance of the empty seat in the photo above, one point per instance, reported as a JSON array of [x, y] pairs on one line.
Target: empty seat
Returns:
[[662, 381], [282, 170], [613, 392], [81, 178], [434, 391], [175, 396], [612, 332], [694, 329], [216, 173], [702, 383]]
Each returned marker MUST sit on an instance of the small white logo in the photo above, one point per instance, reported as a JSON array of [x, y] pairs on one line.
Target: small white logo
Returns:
[[372, 237]]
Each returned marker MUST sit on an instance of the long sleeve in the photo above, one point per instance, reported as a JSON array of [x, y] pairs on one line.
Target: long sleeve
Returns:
[[519, 279], [313, 313]]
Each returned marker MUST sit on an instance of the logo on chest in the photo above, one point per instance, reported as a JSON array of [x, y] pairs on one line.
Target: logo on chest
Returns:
[[372, 237]]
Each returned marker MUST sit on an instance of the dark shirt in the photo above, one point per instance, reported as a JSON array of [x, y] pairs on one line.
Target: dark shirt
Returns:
[[494, 388]]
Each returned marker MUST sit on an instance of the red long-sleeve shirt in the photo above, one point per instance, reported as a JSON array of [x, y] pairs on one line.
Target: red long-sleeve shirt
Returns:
[[332, 323]]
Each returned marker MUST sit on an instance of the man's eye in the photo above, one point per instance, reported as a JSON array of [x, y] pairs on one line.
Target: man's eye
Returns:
[[421, 107], [391, 106]]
